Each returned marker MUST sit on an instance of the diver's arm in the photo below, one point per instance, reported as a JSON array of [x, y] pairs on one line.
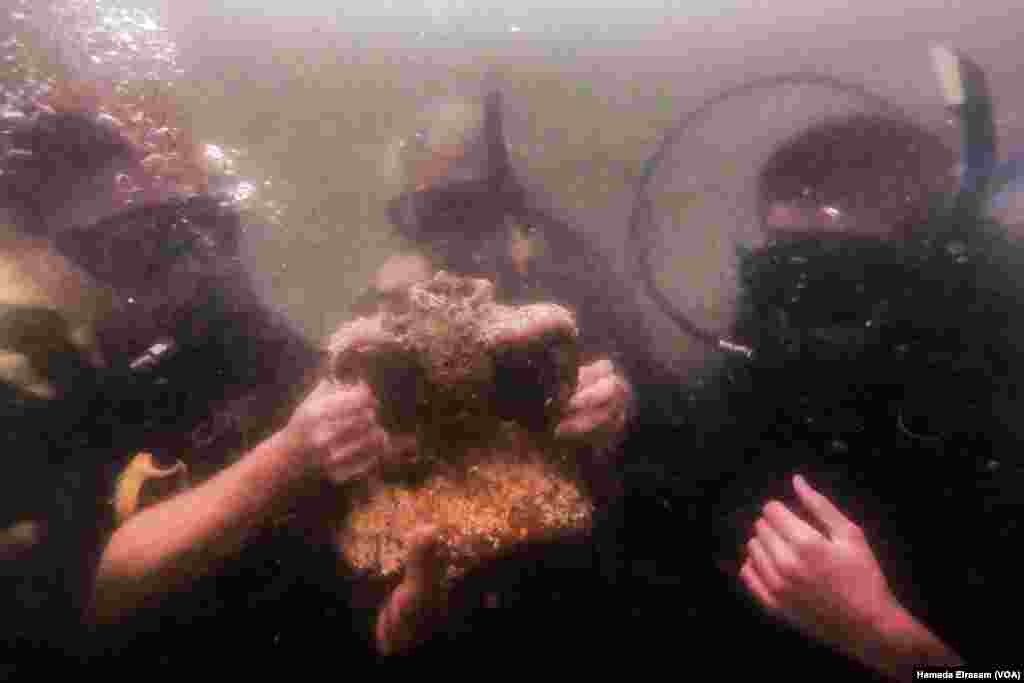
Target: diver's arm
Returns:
[[172, 542], [333, 434], [896, 643]]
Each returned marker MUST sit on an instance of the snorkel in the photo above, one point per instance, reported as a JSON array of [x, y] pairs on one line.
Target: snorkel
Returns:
[[965, 91]]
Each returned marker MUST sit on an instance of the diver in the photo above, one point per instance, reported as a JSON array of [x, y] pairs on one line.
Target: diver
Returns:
[[465, 211], [139, 330], [821, 575], [882, 316], [195, 369], [52, 401], [468, 213]]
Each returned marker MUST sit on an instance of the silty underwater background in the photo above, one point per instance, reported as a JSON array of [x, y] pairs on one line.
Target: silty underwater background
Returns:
[[300, 111]]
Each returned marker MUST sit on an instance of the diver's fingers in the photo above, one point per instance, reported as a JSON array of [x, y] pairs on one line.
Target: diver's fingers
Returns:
[[373, 439], [782, 557], [762, 564], [604, 404], [790, 527], [591, 372], [599, 394], [415, 607], [611, 419], [356, 458], [402, 621], [338, 430], [333, 401], [755, 584], [821, 507], [388, 632]]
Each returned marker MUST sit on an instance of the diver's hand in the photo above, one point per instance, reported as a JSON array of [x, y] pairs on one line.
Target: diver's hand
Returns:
[[824, 584], [832, 588], [597, 410], [336, 430], [416, 607]]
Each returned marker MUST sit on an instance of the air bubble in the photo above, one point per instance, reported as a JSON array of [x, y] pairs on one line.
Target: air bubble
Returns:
[[956, 248]]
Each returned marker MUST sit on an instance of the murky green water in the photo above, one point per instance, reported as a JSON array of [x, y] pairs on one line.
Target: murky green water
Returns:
[[330, 152], [311, 101], [306, 107], [312, 118]]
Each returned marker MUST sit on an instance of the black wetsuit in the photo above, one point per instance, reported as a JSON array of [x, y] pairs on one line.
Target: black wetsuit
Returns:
[[195, 363], [889, 374], [56, 468], [466, 226], [198, 364], [283, 595], [555, 597]]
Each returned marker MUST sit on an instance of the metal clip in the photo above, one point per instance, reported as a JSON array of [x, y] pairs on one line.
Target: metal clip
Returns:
[[154, 354], [732, 347]]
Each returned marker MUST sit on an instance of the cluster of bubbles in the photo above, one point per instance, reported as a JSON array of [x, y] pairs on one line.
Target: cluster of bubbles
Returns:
[[119, 43], [122, 65], [25, 77]]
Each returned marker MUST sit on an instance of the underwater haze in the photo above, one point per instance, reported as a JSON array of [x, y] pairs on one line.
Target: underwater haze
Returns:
[[316, 95], [263, 163]]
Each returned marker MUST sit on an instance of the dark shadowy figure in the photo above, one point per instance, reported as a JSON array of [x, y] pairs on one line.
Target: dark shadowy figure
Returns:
[[865, 175], [467, 213], [483, 222], [187, 363], [193, 366], [885, 370]]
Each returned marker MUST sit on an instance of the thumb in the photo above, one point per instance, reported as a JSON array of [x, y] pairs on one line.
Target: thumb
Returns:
[[823, 509]]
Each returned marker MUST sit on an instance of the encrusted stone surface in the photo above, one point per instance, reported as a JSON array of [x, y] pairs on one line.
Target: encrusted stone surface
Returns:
[[481, 385]]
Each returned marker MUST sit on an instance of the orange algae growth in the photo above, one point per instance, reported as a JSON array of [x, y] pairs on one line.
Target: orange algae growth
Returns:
[[487, 501], [483, 505], [481, 385]]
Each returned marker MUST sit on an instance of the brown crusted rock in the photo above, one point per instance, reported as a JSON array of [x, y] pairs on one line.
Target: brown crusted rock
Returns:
[[481, 384], [446, 361]]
